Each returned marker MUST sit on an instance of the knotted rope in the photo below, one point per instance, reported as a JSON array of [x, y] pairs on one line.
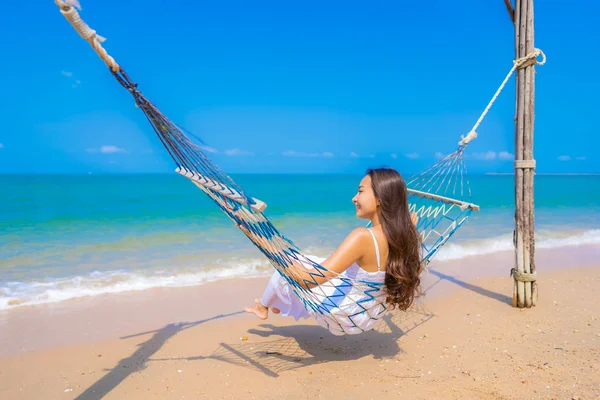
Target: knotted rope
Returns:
[[519, 63], [522, 276], [68, 10]]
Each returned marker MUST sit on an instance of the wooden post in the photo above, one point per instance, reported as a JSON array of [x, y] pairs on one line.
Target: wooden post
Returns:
[[525, 290]]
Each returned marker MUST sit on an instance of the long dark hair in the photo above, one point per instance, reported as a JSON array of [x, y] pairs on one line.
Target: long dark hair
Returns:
[[403, 270]]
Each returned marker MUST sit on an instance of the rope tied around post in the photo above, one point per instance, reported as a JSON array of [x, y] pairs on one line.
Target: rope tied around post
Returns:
[[522, 276], [525, 164], [530, 59], [68, 9]]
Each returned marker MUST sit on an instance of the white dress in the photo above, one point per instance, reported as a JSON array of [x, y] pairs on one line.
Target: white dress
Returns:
[[354, 309]]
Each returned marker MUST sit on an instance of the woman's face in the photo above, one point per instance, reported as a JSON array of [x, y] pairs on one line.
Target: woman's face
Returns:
[[365, 201]]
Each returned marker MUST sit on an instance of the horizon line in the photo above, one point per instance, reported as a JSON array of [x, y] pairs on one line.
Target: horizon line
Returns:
[[281, 173]]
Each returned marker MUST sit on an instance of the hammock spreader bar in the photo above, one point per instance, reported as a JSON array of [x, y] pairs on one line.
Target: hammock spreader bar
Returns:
[[462, 204], [217, 188]]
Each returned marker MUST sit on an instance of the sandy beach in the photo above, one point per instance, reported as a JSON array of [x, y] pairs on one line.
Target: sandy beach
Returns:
[[462, 339]]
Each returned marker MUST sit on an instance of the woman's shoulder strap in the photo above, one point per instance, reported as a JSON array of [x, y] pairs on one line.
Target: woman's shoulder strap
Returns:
[[376, 249]]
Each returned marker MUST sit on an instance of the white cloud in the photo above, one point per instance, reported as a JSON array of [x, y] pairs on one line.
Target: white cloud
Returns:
[[439, 155], [107, 149], [238, 152], [564, 158], [1, 146], [69, 76], [208, 149], [486, 156], [577, 158], [111, 149], [291, 153], [491, 156], [412, 156], [394, 155], [353, 154]]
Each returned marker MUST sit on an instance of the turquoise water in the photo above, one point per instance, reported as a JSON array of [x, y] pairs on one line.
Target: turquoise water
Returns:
[[63, 236]]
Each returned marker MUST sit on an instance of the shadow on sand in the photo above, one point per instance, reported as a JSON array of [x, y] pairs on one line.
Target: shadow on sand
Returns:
[[305, 345], [469, 286], [138, 360]]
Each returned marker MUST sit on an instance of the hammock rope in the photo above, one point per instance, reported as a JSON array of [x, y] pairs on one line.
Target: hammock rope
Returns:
[[519, 63], [440, 196], [68, 9]]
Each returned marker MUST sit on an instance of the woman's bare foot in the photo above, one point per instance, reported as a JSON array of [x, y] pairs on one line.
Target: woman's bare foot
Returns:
[[275, 310], [258, 309]]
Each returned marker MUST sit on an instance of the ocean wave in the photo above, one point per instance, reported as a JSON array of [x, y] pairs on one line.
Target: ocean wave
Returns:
[[16, 294], [544, 240]]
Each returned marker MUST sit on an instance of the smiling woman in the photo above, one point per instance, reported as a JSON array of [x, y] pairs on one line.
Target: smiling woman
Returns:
[[387, 252]]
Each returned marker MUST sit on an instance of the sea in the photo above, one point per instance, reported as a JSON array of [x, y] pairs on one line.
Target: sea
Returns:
[[68, 236]]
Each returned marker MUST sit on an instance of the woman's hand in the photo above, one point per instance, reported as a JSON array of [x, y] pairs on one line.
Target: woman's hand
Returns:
[[243, 229], [415, 218]]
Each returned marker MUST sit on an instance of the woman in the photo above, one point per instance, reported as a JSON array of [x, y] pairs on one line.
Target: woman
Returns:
[[387, 252]]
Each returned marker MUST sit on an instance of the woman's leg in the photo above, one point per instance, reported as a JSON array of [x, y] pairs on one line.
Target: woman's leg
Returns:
[[261, 308], [258, 309]]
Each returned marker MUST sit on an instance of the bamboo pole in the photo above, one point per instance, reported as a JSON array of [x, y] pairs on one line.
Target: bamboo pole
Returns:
[[519, 293], [526, 39], [530, 299], [511, 11], [524, 291]]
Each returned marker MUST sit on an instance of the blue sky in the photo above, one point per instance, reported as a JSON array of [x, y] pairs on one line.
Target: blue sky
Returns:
[[312, 86]]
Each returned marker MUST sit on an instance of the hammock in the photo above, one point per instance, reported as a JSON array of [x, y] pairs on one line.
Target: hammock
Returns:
[[440, 196]]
